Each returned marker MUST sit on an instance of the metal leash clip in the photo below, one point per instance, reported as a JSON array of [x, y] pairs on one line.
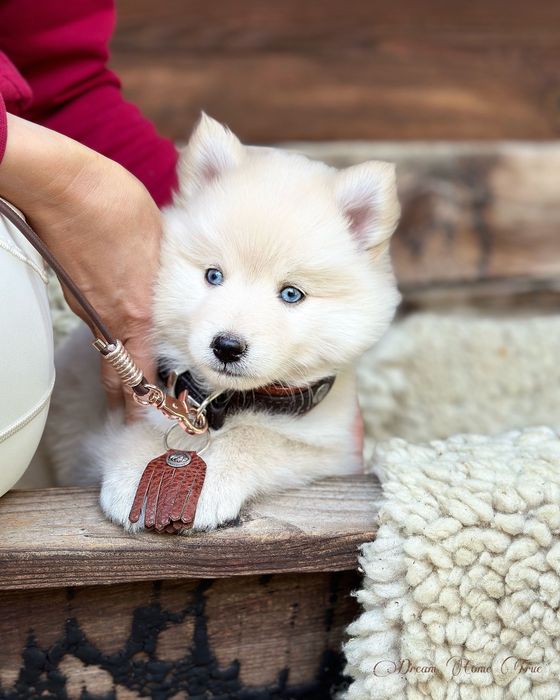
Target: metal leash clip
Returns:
[[189, 418], [189, 415]]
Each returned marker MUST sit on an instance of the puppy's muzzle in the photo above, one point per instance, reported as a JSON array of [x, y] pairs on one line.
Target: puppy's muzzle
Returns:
[[228, 348]]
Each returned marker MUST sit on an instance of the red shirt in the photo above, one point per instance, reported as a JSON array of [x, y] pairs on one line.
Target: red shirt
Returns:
[[53, 71]]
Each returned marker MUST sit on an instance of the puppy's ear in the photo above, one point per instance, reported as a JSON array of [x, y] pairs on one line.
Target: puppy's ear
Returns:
[[367, 196], [211, 151]]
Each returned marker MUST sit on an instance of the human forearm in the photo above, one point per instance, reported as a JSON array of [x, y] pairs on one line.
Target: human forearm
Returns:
[[97, 219], [42, 169]]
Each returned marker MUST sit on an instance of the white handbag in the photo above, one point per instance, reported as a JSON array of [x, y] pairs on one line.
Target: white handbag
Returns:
[[26, 353]]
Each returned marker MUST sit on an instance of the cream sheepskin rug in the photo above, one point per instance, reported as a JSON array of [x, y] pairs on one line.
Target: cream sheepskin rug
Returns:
[[433, 376], [461, 587]]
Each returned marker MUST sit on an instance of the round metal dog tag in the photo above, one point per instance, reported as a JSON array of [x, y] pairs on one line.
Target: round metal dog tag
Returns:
[[178, 459]]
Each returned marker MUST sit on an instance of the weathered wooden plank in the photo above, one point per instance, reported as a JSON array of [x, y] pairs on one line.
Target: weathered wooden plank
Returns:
[[195, 25], [511, 296], [400, 89], [279, 633], [473, 214], [58, 537], [364, 69]]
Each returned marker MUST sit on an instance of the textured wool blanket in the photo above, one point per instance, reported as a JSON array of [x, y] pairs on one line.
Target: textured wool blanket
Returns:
[[461, 586]]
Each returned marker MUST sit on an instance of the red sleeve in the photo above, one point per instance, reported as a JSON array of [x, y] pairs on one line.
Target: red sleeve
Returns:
[[102, 120], [15, 94], [61, 51], [3, 128]]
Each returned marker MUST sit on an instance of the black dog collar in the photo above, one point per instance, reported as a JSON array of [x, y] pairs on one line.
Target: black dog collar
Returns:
[[295, 401]]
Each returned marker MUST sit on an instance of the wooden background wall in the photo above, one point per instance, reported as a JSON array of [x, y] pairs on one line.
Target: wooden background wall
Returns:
[[345, 69], [393, 71]]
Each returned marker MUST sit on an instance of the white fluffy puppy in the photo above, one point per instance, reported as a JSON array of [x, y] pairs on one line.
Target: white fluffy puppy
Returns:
[[275, 271]]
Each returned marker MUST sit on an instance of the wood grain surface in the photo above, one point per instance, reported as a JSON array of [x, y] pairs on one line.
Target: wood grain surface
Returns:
[[59, 537], [196, 25], [369, 69], [280, 633]]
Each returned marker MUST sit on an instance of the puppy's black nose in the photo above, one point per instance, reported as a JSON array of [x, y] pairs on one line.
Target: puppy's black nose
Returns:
[[228, 348]]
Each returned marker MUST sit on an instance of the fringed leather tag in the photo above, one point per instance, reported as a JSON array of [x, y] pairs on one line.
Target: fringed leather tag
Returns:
[[168, 491]]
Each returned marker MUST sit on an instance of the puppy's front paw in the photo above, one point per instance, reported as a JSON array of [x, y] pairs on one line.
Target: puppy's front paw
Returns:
[[116, 500], [219, 504], [124, 459], [222, 495]]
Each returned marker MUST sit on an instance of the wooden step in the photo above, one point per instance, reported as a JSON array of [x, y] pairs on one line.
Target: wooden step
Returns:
[[59, 537], [254, 610]]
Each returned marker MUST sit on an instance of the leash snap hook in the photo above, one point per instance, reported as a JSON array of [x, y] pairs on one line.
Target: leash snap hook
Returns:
[[179, 409], [191, 421]]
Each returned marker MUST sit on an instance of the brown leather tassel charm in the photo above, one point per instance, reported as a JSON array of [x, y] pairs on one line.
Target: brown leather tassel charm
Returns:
[[169, 490]]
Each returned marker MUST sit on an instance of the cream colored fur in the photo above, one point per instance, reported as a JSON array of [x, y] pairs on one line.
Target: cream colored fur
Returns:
[[267, 219], [462, 584]]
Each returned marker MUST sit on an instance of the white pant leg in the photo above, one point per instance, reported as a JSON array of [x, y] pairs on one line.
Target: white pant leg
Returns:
[[26, 353]]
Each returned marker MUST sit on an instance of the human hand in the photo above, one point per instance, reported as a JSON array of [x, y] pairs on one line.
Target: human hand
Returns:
[[101, 224]]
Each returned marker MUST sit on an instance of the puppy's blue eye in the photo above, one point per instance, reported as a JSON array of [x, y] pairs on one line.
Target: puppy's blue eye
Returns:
[[291, 295], [214, 276]]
